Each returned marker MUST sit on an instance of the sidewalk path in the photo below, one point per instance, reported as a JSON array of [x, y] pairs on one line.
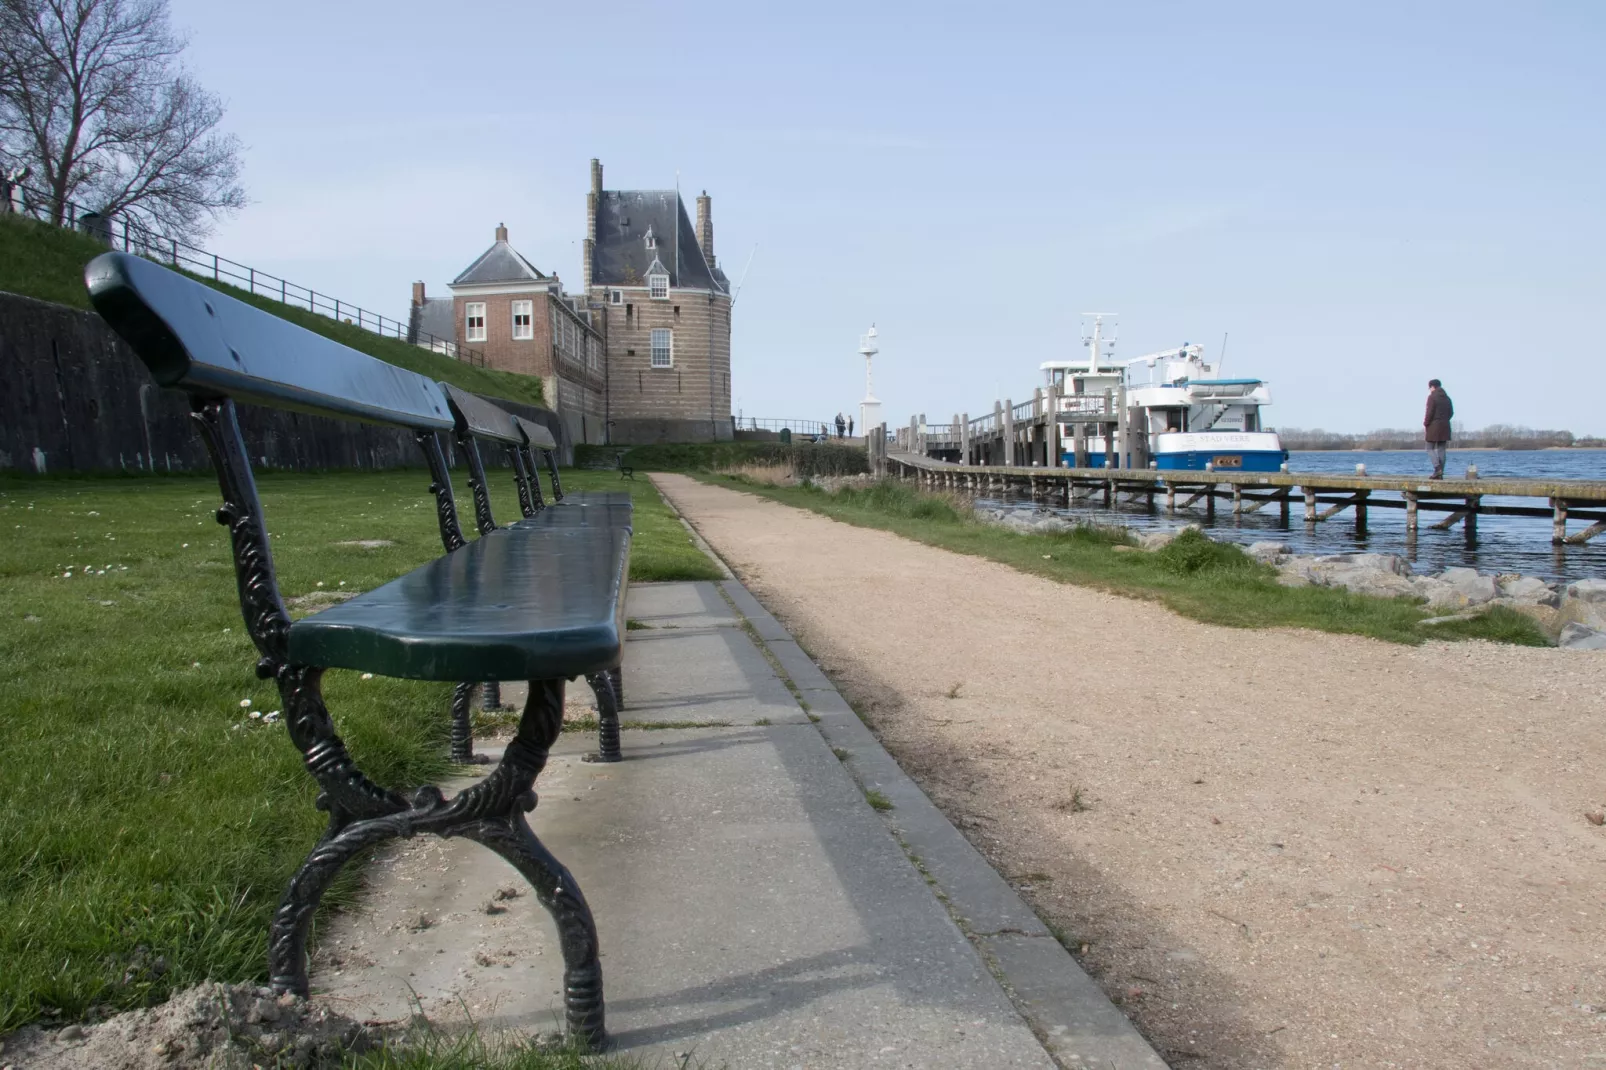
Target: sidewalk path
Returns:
[[1280, 848], [754, 910]]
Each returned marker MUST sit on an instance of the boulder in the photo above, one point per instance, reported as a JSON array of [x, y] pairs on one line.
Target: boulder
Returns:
[[1156, 540], [1582, 637], [1379, 575], [1475, 588], [1267, 553], [1590, 590], [1528, 589]]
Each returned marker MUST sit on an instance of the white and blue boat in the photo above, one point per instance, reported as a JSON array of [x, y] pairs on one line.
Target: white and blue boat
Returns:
[[1181, 414]]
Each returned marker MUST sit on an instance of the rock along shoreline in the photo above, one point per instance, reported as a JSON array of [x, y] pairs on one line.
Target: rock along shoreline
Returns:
[[1571, 615]]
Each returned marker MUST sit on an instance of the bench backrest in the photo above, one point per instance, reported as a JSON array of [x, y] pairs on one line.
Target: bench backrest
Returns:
[[480, 418], [536, 437], [210, 344]]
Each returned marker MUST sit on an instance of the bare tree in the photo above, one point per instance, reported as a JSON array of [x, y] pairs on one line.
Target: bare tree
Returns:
[[94, 104]]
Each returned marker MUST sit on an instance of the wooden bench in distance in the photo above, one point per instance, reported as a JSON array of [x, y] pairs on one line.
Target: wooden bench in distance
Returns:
[[538, 604]]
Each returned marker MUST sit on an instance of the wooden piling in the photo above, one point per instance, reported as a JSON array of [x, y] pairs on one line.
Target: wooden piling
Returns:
[[1170, 499], [1558, 523], [1237, 500], [1472, 518], [1410, 514], [1360, 512], [1310, 506]]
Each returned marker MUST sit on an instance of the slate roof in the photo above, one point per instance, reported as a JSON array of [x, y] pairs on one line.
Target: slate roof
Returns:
[[622, 257], [435, 317], [499, 263]]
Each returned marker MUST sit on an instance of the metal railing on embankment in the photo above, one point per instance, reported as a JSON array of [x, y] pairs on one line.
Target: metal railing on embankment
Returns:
[[132, 237]]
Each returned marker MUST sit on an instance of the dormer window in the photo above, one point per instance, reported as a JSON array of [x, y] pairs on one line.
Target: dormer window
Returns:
[[616, 296], [652, 242], [658, 287]]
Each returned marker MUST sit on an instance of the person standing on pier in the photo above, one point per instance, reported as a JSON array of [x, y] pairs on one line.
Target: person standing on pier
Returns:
[[1436, 426], [841, 425]]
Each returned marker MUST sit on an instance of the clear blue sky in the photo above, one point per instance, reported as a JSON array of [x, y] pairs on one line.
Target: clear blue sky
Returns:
[[1363, 195]]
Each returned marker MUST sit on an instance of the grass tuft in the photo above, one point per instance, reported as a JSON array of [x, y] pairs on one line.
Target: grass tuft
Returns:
[[877, 800]]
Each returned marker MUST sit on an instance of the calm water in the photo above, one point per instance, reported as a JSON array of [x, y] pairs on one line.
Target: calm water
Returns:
[[1505, 543]]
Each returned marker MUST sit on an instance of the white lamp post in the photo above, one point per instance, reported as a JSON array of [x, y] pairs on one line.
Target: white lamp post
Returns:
[[870, 407]]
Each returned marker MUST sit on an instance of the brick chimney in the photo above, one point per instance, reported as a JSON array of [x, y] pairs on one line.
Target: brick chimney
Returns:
[[501, 232], [589, 245], [705, 226], [418, 293]]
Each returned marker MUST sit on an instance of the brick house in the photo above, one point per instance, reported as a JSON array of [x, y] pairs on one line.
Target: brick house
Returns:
[[519, 317], [664, 309]]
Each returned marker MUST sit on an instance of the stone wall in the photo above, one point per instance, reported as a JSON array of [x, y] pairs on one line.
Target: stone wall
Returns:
[[75, 398]]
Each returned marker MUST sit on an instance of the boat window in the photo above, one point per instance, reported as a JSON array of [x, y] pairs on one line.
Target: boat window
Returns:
[[1251, 421]]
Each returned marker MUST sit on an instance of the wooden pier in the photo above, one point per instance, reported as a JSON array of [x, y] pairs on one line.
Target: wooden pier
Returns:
[[1321, 496]]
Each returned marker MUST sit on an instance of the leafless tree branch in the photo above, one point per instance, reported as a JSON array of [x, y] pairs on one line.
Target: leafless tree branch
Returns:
[[94, 104]]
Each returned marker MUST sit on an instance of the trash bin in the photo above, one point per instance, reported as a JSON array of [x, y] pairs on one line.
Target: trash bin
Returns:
[[786, 436]]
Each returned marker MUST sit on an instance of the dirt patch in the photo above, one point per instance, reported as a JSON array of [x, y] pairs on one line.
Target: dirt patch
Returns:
[[367, 544], [313, 601], [210, 1026], [1272, 848]]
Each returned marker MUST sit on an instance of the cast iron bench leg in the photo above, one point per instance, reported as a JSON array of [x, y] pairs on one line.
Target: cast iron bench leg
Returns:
[[490, 812], [607, 717], [462, 738]]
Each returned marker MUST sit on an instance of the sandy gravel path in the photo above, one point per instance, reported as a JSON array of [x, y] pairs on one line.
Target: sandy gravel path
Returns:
[[1274, 848]]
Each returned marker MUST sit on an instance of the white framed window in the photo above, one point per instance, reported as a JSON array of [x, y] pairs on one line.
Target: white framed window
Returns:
[[524, 319], [658, 287], [474, 321], [663, 347], [616, 296]]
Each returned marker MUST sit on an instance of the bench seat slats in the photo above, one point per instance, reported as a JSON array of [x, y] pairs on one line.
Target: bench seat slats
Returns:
[[585, 509], [201, 340], [517, 604]]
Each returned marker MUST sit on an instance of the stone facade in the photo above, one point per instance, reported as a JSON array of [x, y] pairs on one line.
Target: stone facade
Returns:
[[683, 392]]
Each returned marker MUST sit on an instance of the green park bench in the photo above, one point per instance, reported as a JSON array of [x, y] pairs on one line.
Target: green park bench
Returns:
[[540, 600]]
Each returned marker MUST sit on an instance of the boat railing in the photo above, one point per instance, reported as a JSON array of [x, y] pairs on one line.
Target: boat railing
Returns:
[[1087, 405]]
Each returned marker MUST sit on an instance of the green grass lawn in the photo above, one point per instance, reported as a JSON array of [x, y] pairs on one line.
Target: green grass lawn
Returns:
[[147, 823], [38, 260], [1208, 581]]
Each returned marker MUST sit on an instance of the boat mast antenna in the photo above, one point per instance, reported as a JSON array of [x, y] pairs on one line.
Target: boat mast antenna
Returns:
[[1097, 339], [1222, 356]]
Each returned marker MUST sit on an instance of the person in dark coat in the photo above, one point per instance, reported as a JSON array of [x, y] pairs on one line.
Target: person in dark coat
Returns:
[[841, 425], [1436, 426]]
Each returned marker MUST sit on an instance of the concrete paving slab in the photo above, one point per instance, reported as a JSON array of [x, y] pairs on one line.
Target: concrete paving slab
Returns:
[[753, 912], [679, 605], [713, 674]]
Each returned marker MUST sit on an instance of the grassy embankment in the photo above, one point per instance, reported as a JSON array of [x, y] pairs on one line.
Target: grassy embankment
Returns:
[[45, 262], [1216, 583], [147, 824]]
